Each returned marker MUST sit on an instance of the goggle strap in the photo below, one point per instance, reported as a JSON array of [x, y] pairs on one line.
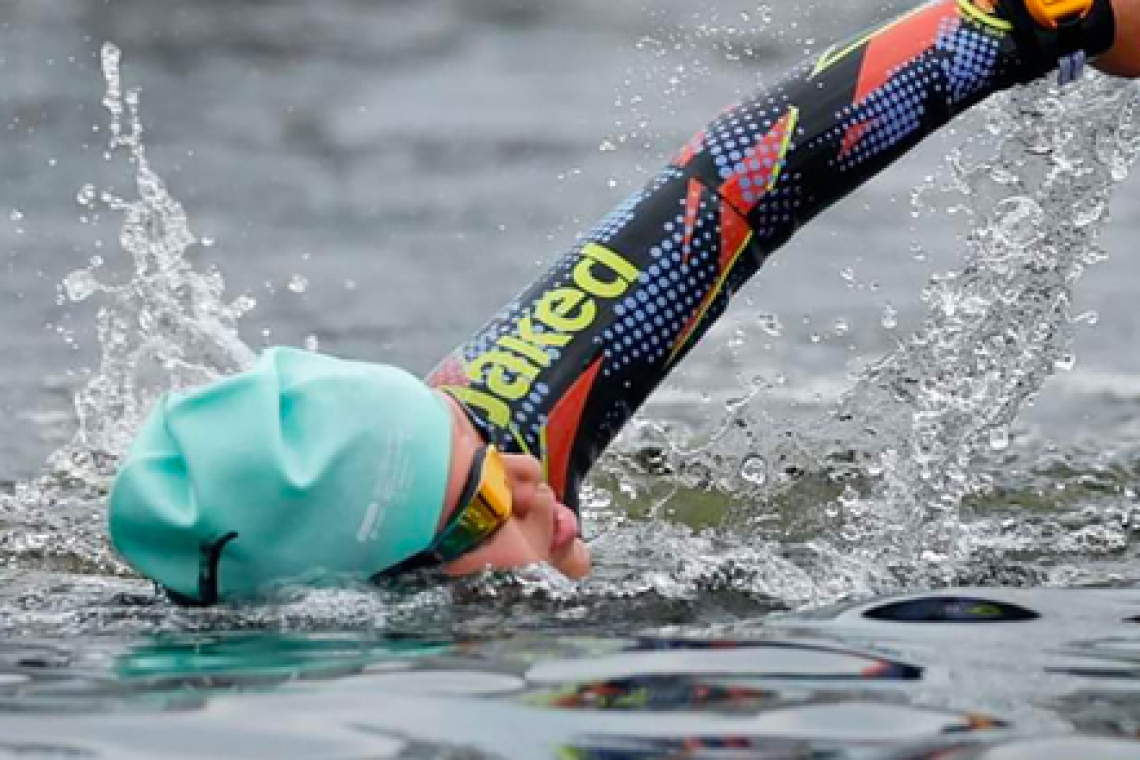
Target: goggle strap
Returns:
[[210, 556]]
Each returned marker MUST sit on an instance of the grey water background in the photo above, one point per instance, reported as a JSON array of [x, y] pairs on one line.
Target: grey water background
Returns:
[[382, 176]]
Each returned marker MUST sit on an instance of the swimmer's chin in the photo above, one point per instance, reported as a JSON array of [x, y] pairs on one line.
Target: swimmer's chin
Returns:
[[572, 561]]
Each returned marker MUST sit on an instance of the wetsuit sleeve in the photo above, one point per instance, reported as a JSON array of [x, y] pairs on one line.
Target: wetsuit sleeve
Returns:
[[563, 366]]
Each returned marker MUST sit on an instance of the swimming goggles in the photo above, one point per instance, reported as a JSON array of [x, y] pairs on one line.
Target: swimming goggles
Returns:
[[485, 505]]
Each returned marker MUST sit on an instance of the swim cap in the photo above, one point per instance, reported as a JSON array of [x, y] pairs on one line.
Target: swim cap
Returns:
[[303, 466]]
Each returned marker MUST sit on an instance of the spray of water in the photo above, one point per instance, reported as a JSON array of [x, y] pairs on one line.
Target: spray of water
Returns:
[[679, 67], [1036, 202], [867, 499], [166, 328], [163, 327]]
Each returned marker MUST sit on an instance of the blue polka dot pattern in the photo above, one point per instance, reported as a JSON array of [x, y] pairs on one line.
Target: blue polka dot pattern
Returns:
[[972, 60], [961, 64], [626, 212]]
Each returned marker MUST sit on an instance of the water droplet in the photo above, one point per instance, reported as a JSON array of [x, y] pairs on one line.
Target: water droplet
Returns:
[[350, 284], [1066, 362], [80, 285], [607, 146], [16, 215], [1120, 167], [1089, 211], [1090, 318], [999, 439], [298, 283], [842, 326], [312, 343], [848, 274], [612, 182], [890, 318], [770, 324], [754, 469], [244, 304], [207, 242], [86, 195]]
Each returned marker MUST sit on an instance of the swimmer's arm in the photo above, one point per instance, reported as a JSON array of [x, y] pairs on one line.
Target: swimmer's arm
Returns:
[[772, 163], [559, 371]]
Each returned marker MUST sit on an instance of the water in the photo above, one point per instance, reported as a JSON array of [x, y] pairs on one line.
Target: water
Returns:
[[846, 434]]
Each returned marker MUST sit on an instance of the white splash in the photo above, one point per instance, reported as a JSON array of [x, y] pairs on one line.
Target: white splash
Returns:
[[866, 500], [165, 328], [997, 328]]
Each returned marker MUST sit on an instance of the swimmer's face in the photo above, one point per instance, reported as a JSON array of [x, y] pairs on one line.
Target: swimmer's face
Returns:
[[541, 529]]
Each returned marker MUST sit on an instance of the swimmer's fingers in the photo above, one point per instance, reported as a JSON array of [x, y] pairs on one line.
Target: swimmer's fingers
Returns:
[[1123, 58]]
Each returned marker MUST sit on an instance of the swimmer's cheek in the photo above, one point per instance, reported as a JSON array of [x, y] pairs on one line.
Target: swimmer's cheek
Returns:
[[574, 561]]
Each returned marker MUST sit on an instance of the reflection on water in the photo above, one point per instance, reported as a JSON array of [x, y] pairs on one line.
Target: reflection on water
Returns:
[[799, 687]]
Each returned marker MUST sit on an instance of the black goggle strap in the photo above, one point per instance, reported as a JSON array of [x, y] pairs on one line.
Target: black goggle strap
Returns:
[[437, 553], [418, 561], [209, 557]]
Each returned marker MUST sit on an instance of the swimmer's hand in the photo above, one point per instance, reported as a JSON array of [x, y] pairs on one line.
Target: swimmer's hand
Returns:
[[1123, 58]]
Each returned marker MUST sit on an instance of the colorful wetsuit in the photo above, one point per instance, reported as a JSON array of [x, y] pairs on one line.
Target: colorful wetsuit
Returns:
[[562, 367]]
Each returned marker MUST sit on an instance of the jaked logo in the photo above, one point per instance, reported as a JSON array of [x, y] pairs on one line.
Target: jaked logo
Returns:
[[509, 368]]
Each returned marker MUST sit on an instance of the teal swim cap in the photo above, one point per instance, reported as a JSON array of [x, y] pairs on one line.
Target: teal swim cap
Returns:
[[302, 467]]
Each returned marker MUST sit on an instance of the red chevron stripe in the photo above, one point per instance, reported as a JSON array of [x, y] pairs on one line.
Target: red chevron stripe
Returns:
[[854, 134], [692, 208], [691, 149], [900, 44], [770, 146], [562, 428]]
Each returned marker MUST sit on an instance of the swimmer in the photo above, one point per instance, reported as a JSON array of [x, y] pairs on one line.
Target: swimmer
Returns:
[[307, 467]]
